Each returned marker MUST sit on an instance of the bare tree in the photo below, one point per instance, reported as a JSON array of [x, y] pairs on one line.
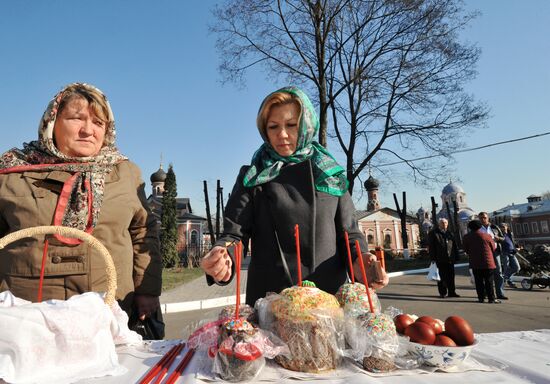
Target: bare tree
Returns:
[[388, 73]]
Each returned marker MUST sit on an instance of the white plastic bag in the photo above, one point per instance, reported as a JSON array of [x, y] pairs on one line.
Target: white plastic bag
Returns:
[[433, 272], [60, 341]]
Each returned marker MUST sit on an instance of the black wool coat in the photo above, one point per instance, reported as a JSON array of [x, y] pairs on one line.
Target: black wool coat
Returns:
[[267, 215], [442, 246]]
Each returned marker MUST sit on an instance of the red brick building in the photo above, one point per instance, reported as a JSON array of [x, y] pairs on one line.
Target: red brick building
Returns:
[[530, 222]]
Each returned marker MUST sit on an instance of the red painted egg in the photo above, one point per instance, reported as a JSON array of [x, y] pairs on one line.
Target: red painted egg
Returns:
[[459, 330], [436, 326], [444, 341], [402, 321], [420, 332]]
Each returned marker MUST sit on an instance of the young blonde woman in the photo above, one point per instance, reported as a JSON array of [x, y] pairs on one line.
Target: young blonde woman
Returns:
[[291, 180]]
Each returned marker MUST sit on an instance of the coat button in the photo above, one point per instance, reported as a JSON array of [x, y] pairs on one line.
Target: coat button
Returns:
[[56, 259], [80, 259]]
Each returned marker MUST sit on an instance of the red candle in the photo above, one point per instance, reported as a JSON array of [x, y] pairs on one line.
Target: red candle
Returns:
[[364, 273], [238, 251], [181, 367], [380, 256], [298, 259], [349, 257]]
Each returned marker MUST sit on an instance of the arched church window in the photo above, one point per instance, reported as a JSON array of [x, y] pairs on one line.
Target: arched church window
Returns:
[[194, 237], [387, 240]]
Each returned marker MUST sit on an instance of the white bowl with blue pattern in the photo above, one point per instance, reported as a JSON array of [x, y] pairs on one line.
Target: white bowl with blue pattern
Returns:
[[441, 356]]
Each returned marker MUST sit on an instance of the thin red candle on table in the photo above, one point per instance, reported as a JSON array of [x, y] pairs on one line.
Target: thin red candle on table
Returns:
[[298, 259], [346, 236], [364, 273], [155, 369], [181, 367], [238, 251], [168, 363]]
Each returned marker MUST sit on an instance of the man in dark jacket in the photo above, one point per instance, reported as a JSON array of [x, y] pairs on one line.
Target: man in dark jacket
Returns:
[[443, 251]]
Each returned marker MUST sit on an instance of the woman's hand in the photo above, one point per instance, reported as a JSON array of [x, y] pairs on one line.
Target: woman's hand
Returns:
[[376, 279], [146, 305], [217, 264]]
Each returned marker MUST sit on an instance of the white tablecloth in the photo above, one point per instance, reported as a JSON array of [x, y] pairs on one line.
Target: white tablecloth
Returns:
[[516, 357]]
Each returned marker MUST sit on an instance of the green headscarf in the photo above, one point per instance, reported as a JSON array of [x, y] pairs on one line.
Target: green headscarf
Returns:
[[328, 175]]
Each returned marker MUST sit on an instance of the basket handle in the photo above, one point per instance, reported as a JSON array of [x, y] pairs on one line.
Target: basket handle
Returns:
[[73, 233]]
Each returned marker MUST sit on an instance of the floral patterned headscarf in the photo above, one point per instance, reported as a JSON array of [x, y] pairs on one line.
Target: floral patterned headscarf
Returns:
[[80, 200], [328, 175]]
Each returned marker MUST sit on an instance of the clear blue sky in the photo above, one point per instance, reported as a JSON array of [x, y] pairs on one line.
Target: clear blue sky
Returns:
[[157, 63]]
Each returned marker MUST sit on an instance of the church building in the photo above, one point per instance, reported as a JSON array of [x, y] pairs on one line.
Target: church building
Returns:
[[382, 225], [451, 194], [192, 229]]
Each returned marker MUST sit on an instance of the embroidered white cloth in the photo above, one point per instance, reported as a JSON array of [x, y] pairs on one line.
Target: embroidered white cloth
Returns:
[[521, 357], [61, 341]]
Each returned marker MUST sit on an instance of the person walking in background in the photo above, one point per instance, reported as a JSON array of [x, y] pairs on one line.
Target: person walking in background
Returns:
[[443, 250], [508, 259], [497, 236], [480, 246]]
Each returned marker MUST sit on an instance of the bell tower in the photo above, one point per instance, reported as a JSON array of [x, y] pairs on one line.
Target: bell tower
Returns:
[[371, 185]]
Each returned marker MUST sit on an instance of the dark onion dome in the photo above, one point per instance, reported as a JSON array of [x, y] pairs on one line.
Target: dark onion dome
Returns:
[[159, 176], [371, 183]]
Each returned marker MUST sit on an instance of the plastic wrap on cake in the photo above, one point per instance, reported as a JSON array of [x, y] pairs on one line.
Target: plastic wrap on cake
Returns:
[[245, 311], [354, 299], [373, 341], [310, 322], [238, 358], [237, 347]]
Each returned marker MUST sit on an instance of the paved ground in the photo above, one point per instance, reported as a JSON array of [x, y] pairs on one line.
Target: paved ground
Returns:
[[526, 310]]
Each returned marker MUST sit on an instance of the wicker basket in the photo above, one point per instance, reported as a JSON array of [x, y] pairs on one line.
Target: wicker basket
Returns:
[[73, 233]]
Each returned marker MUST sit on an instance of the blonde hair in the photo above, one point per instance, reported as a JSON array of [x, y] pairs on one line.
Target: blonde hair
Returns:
[[275, 99], [95, 99]]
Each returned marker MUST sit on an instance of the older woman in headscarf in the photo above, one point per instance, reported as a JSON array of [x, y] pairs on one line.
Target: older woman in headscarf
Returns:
[[74, 176], [292, 180]]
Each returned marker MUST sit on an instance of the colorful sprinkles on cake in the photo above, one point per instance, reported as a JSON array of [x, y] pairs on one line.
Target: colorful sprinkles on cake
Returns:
[[379, 325], [298, 302], [355, 295], [238, 325]]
